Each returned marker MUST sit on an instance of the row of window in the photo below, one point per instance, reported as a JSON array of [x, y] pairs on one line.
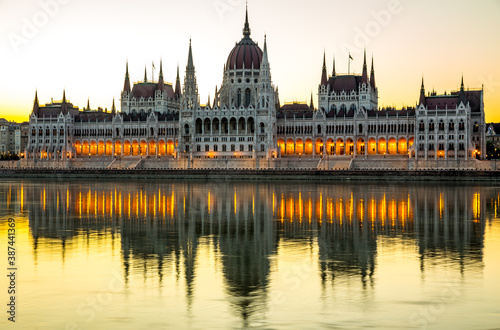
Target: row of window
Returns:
[[441, 137], [347, 129], [224, 148], [442, 126], [47, 141], [47, 132], [451, 147]]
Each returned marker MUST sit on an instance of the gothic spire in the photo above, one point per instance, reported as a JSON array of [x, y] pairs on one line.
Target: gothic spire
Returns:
[[113, 108], [264, 56], [161, 83], [364, 78], [216, 97], [372, 77], [178, 84], [324, 78], [88, 103], [334, 73], [145, 75], [36, 106], [190, 56], [422, 93], [246, 29], [311, 106], [126, 85], [64, 107], [461, 94]]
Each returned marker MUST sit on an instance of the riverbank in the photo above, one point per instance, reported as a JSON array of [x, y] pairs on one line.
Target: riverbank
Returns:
[[257, 175]]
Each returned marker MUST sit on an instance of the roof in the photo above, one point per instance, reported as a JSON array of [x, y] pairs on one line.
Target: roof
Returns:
[[443, 102], [344, 83], [246, 53], [148, 89], [295, 107], [54, 109]]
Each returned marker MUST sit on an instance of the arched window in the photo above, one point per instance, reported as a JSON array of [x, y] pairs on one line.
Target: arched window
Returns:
[[431, 126], [360, 129], [238, 99], [441, 125], [451, 126], [353, 107], [186, 129], [319, 129], [333, 108], [343, 107], [247, 97], [152, 131], [262, 128], [421, 126]]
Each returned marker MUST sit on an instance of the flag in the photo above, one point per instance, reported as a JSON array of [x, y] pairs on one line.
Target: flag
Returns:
[[350, 57]]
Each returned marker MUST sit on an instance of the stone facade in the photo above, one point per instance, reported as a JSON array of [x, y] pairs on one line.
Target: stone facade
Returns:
[[245, 120]]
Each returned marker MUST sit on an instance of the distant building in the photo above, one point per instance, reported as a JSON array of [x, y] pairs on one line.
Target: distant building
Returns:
[[493, 134], [24, 136], [10, 137]]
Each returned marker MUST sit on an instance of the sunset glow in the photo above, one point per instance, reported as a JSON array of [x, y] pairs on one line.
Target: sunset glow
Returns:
[[51, 45]]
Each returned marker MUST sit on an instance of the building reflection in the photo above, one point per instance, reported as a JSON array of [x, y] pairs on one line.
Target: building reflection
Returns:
[[159, 227]]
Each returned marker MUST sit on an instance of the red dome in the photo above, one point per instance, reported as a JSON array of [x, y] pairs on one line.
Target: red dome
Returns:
[[245, 52]]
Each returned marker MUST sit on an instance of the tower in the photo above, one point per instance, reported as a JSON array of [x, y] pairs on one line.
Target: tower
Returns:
[[189, 104]]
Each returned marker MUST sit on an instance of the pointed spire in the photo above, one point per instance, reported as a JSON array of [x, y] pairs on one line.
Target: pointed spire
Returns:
[[422, 93], [161, 83], [190, 56], [64, 107], [372, 77], [88, 103], [246, 29], [126, 85], [208, 102], [178, 84], [145, 75], [113, 108], [461, 95], [311, 106], [364, 78], [324, 78], [216, 97], [36, 106], [264, 56], [334, 73]]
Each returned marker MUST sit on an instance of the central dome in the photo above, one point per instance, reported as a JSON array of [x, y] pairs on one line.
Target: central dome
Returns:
[[246, 53]]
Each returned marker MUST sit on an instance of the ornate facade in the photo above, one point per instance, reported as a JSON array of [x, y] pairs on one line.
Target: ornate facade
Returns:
[[246, 121]]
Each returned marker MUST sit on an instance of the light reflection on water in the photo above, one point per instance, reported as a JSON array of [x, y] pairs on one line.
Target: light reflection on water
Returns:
[[274, 255]]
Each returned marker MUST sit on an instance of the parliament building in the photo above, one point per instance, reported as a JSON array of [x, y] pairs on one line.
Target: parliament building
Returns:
[[160, 121]]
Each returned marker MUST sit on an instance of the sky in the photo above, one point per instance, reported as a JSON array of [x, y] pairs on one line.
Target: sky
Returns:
[[82, 46]]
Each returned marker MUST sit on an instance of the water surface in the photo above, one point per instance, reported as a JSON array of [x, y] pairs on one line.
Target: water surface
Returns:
[[163, 255]]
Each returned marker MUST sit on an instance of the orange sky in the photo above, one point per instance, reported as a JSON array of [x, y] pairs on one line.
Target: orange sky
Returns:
[[82, 46]]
